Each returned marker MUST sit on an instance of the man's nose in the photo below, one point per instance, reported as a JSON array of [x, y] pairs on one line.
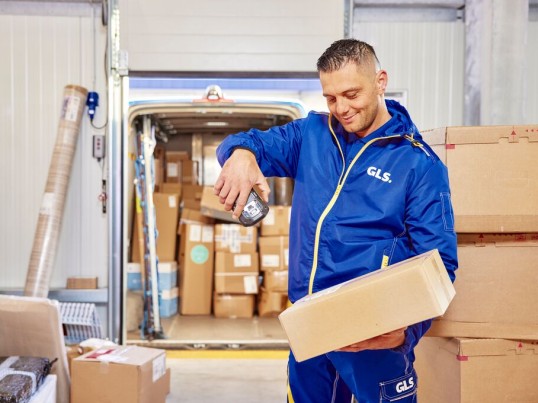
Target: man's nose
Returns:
[[341, 106]]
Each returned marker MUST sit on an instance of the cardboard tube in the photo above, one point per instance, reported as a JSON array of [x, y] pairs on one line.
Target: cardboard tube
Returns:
[[51, 211]]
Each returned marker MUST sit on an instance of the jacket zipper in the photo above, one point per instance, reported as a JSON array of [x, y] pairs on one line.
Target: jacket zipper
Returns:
[[341, 181]]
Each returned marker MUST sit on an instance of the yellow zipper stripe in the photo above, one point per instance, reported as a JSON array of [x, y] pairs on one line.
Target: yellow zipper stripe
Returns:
[[339, 147], [333, 201]]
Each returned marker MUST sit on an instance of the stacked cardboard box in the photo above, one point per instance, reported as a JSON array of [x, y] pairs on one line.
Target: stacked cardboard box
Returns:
[[274, 252], [494, 194], [196, 268], [180, 168], [102, 375], [236, 270], [167, 285]]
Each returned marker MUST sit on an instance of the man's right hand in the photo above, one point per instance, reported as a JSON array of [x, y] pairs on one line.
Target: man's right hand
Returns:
[[238, 176]]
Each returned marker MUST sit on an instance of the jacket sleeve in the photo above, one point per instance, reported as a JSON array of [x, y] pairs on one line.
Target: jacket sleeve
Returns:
[[276, 149], [430, 225]]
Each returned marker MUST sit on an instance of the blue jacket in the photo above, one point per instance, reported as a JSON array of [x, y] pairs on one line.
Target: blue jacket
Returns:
[[358, 204]]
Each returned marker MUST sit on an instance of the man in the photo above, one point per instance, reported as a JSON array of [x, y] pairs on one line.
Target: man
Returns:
[[368, 192]]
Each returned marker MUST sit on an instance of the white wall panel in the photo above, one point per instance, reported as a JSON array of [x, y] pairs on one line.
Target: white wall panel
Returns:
[[235, 35], [40, 56], [531, 115], [425, 59]]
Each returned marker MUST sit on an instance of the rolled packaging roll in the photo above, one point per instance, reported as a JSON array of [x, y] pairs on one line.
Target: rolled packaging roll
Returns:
[[51, 211]]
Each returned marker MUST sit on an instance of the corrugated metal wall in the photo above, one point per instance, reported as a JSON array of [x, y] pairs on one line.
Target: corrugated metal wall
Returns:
[[40, 55], [427, 61], [531, 108], [232, 35]]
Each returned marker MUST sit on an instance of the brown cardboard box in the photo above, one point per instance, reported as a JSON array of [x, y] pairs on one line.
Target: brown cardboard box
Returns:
[[274, 252], [235, 238], [233, 306], [189, 171], [120, 374], [196, 269], [211, 207], [159, 173], [276, 280], [397, 296], [173, 166], [78, 283], [492, 177], [236, 273], [167, 213], [476, 370], [495, 285], [192, 196], [271, 303], [191, 216], [171, 187], [276, 222]]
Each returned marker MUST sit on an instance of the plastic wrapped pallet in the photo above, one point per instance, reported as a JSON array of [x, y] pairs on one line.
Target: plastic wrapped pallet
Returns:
[[20, 377]]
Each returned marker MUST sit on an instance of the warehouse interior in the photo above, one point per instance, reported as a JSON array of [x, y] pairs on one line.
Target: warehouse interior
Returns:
[[113, 108]]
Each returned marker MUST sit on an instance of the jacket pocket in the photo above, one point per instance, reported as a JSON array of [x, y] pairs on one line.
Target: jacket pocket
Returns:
[[402, 389]]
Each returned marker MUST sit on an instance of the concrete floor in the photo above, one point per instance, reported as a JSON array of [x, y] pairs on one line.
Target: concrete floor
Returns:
[[228, 377]]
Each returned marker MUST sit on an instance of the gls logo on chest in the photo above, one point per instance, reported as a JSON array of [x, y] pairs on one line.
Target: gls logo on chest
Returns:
[[378, 174]]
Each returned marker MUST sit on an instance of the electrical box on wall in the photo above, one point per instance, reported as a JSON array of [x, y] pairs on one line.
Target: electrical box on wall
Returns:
[[98, 146]]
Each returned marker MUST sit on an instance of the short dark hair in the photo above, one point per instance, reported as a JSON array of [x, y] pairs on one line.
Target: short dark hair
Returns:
[[344, 51]]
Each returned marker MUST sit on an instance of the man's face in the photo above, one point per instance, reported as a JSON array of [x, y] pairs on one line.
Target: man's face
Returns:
[[354, 95]]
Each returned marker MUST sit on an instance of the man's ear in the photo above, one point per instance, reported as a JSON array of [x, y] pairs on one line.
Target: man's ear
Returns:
[[382, 80]]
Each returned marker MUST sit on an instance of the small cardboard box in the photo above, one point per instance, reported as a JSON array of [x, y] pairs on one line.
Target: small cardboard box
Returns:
[[173, 166], [168, 301], [492, 174], [495, 286], [274, 252], [189, 171], [171, 187], [236, 273], [271, 303], [210, 206], [399, 295], [120, 374], [81, 283], [196, 269], [189, 216], [166, 274], [276, 222], [476, 370], [233, 306], [276, 280], [167, 214], [235, 238]]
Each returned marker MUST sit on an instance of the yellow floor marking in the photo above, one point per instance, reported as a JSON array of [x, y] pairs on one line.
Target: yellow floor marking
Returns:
[[229, 354]]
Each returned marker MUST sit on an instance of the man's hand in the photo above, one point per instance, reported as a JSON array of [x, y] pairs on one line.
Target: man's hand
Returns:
[[385, 341], [238, 176]]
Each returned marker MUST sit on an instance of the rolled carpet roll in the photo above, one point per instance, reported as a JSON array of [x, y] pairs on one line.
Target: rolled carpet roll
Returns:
[[51, 211]]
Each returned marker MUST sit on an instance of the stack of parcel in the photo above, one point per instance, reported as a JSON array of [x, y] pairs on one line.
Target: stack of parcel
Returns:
[[209, 264], [485, 347]]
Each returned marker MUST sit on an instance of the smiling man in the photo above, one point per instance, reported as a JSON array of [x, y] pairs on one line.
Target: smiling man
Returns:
[[368, 193]]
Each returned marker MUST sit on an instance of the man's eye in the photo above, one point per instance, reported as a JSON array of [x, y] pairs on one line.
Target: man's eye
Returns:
[[352, 96], [330, 100]]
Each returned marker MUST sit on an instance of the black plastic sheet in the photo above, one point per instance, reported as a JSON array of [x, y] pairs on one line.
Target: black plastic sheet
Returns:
[[20, 377]]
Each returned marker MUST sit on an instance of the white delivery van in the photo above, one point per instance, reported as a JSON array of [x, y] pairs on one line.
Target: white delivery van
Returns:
[[185, 132]]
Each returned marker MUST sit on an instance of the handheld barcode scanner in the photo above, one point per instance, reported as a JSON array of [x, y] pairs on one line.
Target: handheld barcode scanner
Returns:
[[255, 210]]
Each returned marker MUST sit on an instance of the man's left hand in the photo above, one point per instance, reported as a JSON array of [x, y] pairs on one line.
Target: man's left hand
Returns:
[[385, 341]]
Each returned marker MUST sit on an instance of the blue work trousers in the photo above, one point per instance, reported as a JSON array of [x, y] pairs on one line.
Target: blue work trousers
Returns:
[[372, 376]]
